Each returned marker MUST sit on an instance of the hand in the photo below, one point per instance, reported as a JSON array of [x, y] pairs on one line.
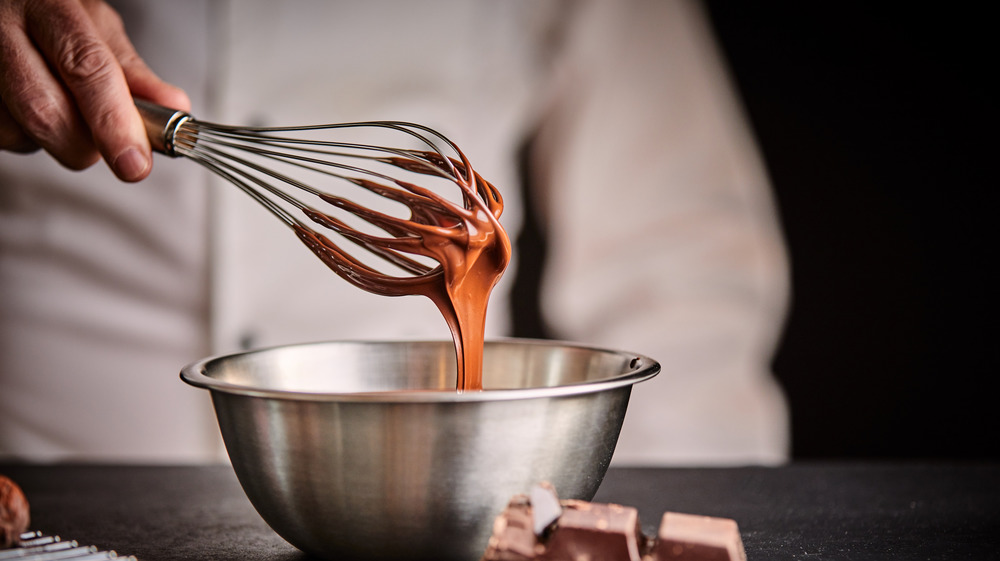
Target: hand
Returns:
[[68, 73]]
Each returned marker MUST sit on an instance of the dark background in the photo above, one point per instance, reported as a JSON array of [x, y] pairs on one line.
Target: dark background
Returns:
[[878, 131]]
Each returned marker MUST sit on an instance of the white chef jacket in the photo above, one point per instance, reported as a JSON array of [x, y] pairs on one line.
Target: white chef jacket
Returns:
[[663, 237]]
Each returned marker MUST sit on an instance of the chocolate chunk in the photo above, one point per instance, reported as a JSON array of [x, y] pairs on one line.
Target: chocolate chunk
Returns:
[[545, 508], [686, 537], [513, 536], [595, 531], [583, 531], [14, 513]]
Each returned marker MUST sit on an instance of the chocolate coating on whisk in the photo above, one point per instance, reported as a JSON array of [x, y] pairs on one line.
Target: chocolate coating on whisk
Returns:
[[467, 241], [464, 237]]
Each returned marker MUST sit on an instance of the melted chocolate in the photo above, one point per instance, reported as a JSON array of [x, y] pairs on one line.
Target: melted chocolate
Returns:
[[467, 241]]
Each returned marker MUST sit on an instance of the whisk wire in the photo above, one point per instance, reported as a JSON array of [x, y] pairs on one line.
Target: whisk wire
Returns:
[[414, 194], [265, 135], [261, 162], [240, 180]]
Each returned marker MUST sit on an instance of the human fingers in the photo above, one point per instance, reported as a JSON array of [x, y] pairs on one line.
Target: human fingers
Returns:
[[12, 137], [142, 81], [84, 62], [36, 108]]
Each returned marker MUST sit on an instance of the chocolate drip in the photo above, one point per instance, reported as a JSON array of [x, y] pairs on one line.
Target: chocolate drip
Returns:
[[469, 244]]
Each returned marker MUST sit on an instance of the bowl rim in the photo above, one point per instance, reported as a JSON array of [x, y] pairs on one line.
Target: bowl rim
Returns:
[[643, 368]]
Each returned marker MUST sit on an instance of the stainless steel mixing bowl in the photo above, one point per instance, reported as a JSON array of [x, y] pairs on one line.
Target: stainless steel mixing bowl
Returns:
[[365, 450]]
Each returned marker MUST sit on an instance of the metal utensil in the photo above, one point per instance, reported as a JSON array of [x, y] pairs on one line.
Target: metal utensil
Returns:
[[398, 231], [277, 165]]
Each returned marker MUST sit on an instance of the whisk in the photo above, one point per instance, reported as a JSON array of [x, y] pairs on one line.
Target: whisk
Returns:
[[274, 164]]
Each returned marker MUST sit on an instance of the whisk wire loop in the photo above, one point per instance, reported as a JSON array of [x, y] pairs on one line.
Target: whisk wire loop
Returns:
[[261, 161]]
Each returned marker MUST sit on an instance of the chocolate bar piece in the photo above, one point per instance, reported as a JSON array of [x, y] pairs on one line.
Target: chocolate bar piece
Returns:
[[595, 531], [545, 508], [687, 537], [583, 531], [513, 537]]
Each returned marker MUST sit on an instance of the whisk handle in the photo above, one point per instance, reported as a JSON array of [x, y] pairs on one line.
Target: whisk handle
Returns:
[[161, 125]]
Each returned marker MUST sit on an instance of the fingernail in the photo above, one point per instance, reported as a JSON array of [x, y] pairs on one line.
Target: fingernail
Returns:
[[131, 165]]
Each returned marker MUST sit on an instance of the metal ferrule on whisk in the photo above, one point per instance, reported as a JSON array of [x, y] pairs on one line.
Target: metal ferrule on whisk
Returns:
[[161, 125]]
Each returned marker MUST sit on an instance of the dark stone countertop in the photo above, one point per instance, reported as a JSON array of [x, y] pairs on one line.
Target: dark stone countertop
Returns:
[[830, 511]]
